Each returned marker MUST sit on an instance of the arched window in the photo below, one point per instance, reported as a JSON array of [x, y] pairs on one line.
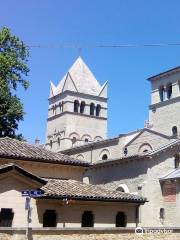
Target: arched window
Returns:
[[121, 219], [125, 151], [161, 213], [123, 188], [87, 219], [162, 93], [6, 217], [82, 107], [169, 90], [49, 218], [104, 157], [120, 189], [174, 131], [74, 140], [98, 138], [98, 109], [92, 106], [144, 148], [76, 106], [80, 157]]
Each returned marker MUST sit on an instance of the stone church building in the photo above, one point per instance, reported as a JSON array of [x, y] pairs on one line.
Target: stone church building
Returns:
[[80, 172]]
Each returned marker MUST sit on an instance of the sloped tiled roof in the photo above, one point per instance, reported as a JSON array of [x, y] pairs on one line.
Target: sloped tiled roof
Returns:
[[14, 149], [71, 189], [175, 174], [164, 147], [13, 167]]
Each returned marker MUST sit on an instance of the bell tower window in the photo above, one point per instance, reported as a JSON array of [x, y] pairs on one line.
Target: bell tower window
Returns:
[[169, 90], [162, 93], [76, 106], [98, 109], [82, 107], [92, 109]]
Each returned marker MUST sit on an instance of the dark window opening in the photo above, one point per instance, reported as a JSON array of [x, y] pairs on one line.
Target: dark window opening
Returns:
[[176, 161], [92, 109], [74, 140], [87, 219], [120, 189], [49, 218], [104, 157], [86, 140], [162, 213], [6, 217], [169, 91], [51, 143], [145, 150], [58, 141], [121, 219], [162, 93], [62, 106], [98, 109], [174, 131], [82, 107], [125, 151], [76, 106]]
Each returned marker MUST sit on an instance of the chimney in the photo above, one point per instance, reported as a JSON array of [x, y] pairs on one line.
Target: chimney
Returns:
[[37, 141]]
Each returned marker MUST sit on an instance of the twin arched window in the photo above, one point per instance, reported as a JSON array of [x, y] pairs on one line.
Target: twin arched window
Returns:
[[93, 110], [77, 105]]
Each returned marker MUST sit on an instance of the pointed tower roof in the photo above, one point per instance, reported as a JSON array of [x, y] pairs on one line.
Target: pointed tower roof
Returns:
[[79, 78]]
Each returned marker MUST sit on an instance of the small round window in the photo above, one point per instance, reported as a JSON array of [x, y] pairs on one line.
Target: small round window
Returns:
[[104, 157]]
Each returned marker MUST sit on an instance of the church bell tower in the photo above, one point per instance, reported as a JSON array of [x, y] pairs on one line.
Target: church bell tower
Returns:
[[77, 112], [164, 111]]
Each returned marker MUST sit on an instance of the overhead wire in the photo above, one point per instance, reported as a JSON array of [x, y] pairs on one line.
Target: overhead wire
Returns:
[[80, 47]]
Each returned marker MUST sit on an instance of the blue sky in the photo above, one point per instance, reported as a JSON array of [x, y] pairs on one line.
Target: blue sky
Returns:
[[83, 22]]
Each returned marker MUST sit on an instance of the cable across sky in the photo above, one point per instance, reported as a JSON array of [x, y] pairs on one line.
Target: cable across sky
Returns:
[[82, 46]]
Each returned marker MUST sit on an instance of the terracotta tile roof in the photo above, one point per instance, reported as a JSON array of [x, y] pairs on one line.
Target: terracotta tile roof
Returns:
[[75, 190], [169, 145], [14, 149], [13, 167]]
